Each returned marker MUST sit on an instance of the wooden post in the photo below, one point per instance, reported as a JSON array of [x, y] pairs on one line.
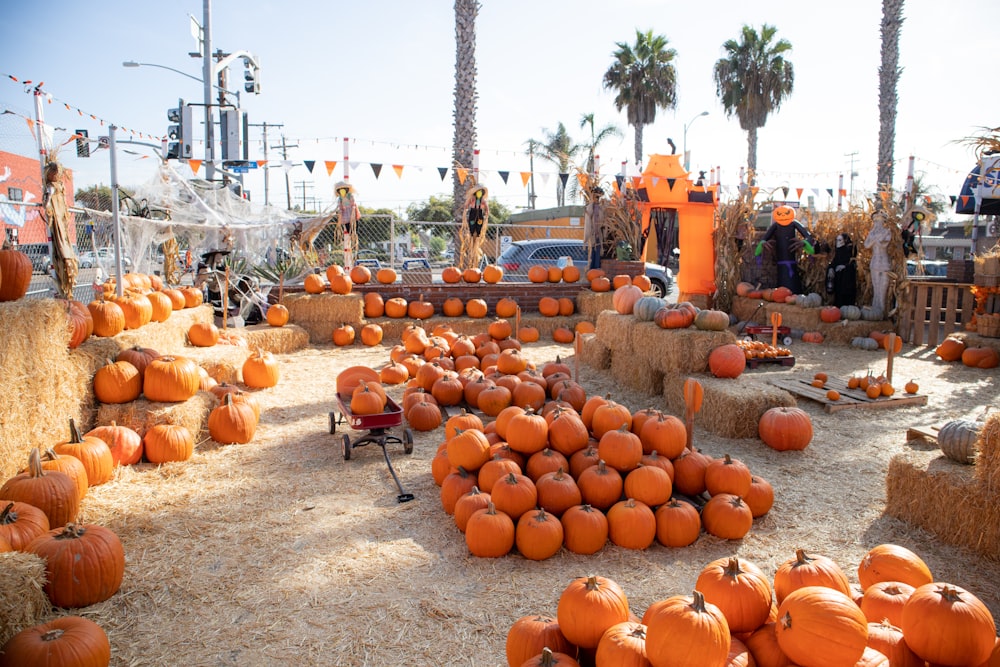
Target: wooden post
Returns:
[[890, 343], [225, 299], [775, 323], [576, 356], [517, 324]]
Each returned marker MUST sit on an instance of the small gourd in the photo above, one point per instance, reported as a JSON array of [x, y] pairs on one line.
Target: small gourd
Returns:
[[864, 343], [957, 440], [850, 312]]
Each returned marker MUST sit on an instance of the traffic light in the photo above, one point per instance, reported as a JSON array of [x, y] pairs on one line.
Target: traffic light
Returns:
[[252, 77], [179, 139], [82, 144], [231, 124]]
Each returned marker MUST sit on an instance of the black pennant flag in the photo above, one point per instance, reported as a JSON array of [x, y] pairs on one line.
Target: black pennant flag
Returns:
[[504, 175], [563, 177], [443, 171], [377, 168], [309, 165], [670, 183], [620, 180]]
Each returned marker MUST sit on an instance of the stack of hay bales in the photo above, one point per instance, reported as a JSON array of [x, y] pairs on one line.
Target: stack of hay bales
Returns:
[[320, 314], [958, 503]]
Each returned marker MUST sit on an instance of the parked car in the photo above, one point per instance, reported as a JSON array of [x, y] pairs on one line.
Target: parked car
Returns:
[[40, 255], [88, 259], [520, 256], [930, 267]]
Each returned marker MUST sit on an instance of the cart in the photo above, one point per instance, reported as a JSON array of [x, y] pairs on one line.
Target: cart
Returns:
[[378, 428], [754, 330]]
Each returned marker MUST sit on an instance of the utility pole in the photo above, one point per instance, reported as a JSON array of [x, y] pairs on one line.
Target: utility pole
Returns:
[[302, 185], [853, 173], [284, 156], [267, 165], [531, 167]]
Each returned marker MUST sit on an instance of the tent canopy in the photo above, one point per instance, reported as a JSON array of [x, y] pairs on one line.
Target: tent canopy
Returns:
[[985, 176]]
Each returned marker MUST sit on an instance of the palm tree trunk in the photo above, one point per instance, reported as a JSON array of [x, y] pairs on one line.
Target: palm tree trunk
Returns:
[[888, 78], [752, 155], [638, 146], [465, 95]]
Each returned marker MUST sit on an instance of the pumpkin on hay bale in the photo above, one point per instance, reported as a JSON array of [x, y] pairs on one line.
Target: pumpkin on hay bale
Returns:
[[730, 408], [727, 361], [141, 414]]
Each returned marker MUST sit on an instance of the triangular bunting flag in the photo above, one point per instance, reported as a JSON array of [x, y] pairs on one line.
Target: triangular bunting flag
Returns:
[[784, 191], [843, 192], [398, 168], [636, 182], [308, 163], [953, 199], [462, 174], [330, 166], [354, 165], [754, 190], [525, 175], [287, 165], [965, 200], [798, 193], [443, 171], [504, 175], [563, 177], [619, 180], [377, 169], [545, 178], [581, 178], [195, 165], [829, 192], [261, 163], [670, 183]]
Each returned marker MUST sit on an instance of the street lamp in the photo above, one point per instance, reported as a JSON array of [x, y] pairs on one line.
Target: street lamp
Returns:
[[687, 157]]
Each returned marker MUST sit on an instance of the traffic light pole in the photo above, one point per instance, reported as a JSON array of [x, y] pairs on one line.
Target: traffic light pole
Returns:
[[208, 79]]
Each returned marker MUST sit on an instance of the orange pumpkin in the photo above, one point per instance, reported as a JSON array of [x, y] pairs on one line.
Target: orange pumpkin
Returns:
[[980, 357], [950, 349], [360, 274], [386, 276], [451, 275]]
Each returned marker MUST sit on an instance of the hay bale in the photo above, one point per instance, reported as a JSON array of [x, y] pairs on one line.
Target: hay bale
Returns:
[[681, 350], [613, 330], [988, 458], [636, 372], [944, 498], [39, 376], [731, 408], [320, 314], [223, 362], [140, 415], [23, 602], [845, 331], [277, 340], [594, 353], [592, 303]]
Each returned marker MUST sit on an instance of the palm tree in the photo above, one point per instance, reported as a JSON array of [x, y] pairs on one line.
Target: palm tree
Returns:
[[559, 149], [888, 77], [753, 80], [465, 94], [644, 79], [609, 130]]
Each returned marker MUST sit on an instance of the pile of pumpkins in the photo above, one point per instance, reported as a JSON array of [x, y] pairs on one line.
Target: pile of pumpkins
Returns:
[[807, 614], [631, 300], [956, 349], [828, 313]]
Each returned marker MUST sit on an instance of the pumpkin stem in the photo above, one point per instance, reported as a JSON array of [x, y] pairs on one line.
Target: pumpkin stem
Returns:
[[7, 515], [548, 658], [71, 531], [801, 558], [52, 635], [35, 463], [592, 584], [698, 601], [74, 432]]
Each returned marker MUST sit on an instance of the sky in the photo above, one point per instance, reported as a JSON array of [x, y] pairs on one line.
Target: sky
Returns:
[[382, 73]]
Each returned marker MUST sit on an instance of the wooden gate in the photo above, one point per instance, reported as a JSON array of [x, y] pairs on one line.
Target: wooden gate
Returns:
[[935, 310]]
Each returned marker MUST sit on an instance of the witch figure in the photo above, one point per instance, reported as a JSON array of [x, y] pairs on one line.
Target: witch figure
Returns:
[[842, 272]]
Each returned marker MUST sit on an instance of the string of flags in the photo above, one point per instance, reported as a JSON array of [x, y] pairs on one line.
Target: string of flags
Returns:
[[461, 173]]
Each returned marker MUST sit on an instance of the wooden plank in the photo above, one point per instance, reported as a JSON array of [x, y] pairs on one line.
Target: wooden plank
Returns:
[[849, 398], [934, 312], [951, 310], [919, 313], [776, 361], [906, 319], [922, 433]]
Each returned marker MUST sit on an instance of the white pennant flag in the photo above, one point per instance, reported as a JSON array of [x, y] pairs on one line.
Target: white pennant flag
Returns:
[[287, 165]]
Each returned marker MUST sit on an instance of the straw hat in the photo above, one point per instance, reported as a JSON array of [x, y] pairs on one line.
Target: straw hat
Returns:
[[343, 185]]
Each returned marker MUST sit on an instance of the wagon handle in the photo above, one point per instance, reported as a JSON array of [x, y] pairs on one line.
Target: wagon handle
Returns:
[[775, 323]]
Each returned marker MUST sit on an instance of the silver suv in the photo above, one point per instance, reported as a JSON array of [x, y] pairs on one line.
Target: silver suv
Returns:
[[520, 256]]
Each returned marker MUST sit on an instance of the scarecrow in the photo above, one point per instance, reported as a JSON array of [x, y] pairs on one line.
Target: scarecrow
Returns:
[[64, 261], [915, 217], [347, 216], [782, 235], [472, 233]]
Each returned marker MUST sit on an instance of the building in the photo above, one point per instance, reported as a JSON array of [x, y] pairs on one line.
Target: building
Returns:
[[21, 198]]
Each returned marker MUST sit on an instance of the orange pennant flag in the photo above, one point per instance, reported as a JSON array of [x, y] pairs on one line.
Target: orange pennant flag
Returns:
[[525, 175], [462, 173], [884, 194], [636, 182], [754, 190], [261, 163], [195, 165], [330, 166], [798, 192], [398, 168], [617, 189], [842, 192], [582, 179]]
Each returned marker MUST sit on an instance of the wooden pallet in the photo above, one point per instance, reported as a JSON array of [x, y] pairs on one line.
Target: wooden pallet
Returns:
[[801, 385], [923, 433], [771, 361]]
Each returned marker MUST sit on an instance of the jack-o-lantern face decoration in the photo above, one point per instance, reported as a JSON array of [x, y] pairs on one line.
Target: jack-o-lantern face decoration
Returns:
[[783, 215]]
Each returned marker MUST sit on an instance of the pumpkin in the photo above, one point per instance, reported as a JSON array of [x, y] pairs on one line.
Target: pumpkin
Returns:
[[360, 274], [884, 601], [66, 463], [623, 644], [395, 307], [727, 361], [67, 641], [260, 370], [277, 315], [780, 294], [631, 524], [314, 284], [476, 308], [193, 297], [52, 491], [117, 382], [171, 379], [711, 320], [812, 337], [20, 523], [728, 475], [808, 570], [386, 276], [538, 274], [233, 422], [744, 288], [420, 308], [686, 631], [108, 316], [343, 335], [168, 442], [588, 606], [625, 298], [821, 627], [649, 484], [850, 312], [492, 274], [451, 275], [911, 387], [93, 453], [678, 523], [760, 497], [489, 533], [981, 357], [829, 314], [15, 274], [538, 535], [957, 440], [891, 562], [203, 334], [785, 428], [125, 444], [600, 284], [84, 564], [646, 307], [341, 284], [471, 275], [528, 635], [740, 590], [570, 273], [727, 516], [424, 416], [554, 274], [864, 343], [950, 349], [620, 448], [946, 624], [673, 318]]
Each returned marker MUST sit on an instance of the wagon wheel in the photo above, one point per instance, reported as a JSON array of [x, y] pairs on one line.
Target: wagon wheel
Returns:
[[407, 441], [787, 340], [347, 447], [334, 419]]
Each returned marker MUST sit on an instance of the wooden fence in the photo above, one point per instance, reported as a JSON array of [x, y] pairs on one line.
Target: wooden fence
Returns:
[[935, 309]]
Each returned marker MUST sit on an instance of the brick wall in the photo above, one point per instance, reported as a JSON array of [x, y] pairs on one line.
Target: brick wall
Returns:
[[527, 295]]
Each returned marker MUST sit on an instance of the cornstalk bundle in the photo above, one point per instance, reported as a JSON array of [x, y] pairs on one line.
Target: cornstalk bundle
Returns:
[[733, 225], [621, 225]]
